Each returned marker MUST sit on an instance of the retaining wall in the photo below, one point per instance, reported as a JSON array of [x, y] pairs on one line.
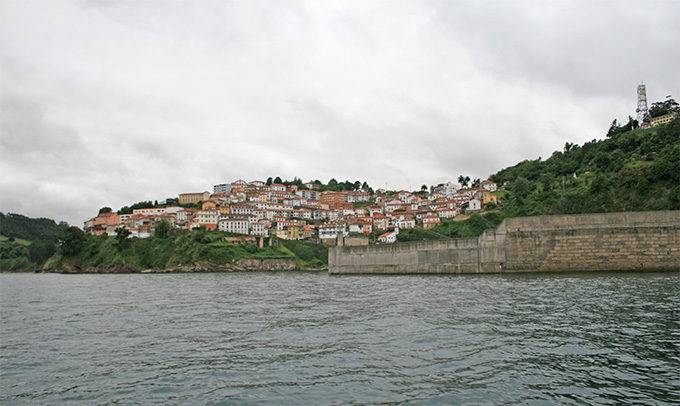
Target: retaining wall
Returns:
[[647, 241]]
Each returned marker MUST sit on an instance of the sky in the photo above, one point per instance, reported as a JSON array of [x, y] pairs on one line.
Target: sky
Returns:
[[108, 103]]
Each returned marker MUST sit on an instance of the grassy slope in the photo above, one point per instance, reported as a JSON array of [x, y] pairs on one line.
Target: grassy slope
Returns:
[[19, 241], [184, 248]]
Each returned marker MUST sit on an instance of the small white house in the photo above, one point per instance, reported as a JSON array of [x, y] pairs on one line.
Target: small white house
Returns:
[[474, 205], [389, 237]]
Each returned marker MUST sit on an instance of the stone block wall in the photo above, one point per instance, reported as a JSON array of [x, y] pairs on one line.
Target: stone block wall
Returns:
[[642, 241], [442, 256], [648, 241]]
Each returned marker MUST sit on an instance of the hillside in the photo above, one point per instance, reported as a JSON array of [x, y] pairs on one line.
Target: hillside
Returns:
[[178, 249], [31, 229], [631, 171], [27, 243]]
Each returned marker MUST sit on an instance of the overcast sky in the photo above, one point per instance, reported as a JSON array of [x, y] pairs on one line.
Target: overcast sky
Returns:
[[107, 103]]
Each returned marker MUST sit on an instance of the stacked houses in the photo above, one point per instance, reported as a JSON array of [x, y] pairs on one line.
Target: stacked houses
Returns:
[[290, 212]]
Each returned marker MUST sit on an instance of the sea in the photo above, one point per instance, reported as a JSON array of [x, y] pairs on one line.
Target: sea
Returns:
[[300, 338]]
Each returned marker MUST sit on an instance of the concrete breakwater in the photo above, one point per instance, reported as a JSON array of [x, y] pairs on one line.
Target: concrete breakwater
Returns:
[[633, 241]]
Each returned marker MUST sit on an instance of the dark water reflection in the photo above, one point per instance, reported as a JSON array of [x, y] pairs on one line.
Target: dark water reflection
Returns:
[[311, 339]]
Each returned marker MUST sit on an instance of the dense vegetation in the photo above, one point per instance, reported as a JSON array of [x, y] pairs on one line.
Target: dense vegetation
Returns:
[[631, 171], [26, 243], [40, 229], [176, 248], [333, 185]]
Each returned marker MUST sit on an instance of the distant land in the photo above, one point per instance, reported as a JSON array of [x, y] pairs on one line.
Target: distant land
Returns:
[[276, 224]]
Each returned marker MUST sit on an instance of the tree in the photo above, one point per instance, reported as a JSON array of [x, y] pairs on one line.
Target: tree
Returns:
[[71, 241], [39, 252], [163, 229], [665, 107], [476, 183], [522, 187], [546, 181], [122, 234], [615, 129], [423, 188], [105, 210], [463, 180], [602, 160], [270, 181], [278, 180]]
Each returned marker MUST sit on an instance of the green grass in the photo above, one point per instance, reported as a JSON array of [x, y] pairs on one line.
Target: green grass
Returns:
[[639, 164], [16, 240], [417, 234]]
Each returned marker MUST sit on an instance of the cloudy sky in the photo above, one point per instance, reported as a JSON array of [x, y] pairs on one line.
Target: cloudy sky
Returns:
[[107, 103]]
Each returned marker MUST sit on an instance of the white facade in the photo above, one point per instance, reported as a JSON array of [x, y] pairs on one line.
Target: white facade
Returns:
[[446, 189], [155, 211], [235, 225], [309, 194], [490, 186], [474, 205], [223, 188], [406, 223], [259, 229], [389, 238]]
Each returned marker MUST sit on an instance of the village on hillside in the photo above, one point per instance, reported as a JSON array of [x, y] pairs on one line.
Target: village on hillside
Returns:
[[302, 213]]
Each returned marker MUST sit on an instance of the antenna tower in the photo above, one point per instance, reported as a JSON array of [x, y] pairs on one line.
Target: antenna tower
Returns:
[[641, 110]]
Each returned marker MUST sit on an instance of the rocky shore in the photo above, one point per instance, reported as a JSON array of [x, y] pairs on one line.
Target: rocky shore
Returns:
[[243, 265]]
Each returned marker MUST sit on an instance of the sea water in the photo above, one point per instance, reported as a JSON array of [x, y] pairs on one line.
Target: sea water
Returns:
[[314, 339]]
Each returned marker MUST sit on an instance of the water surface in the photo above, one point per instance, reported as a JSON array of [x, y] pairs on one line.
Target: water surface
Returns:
[[313, 339]]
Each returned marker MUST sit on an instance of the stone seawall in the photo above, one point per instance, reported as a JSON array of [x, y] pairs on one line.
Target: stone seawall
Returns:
[[643, 241]]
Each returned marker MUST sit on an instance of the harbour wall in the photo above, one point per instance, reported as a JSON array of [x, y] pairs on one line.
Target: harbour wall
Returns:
[[633, 241]]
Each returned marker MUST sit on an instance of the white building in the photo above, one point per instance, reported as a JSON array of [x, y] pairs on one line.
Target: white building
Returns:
[[259, 228], [474, 205], [235, 225], [389, 237], [489, 185], [154, 211], [223, 188], [309, 194]]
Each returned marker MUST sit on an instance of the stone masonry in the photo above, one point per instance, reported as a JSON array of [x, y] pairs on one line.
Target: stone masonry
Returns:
[[635, 241]]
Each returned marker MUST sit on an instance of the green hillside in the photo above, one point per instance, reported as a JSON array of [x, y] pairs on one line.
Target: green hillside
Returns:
[[636, 170], [31, 229], [177, 248], [631, 170], [26, 243]]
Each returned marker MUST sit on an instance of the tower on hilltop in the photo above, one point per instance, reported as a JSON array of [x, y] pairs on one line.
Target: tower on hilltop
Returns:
[[642, 113]]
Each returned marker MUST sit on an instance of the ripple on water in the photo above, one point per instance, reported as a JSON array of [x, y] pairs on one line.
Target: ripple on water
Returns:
[[301, 338]]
